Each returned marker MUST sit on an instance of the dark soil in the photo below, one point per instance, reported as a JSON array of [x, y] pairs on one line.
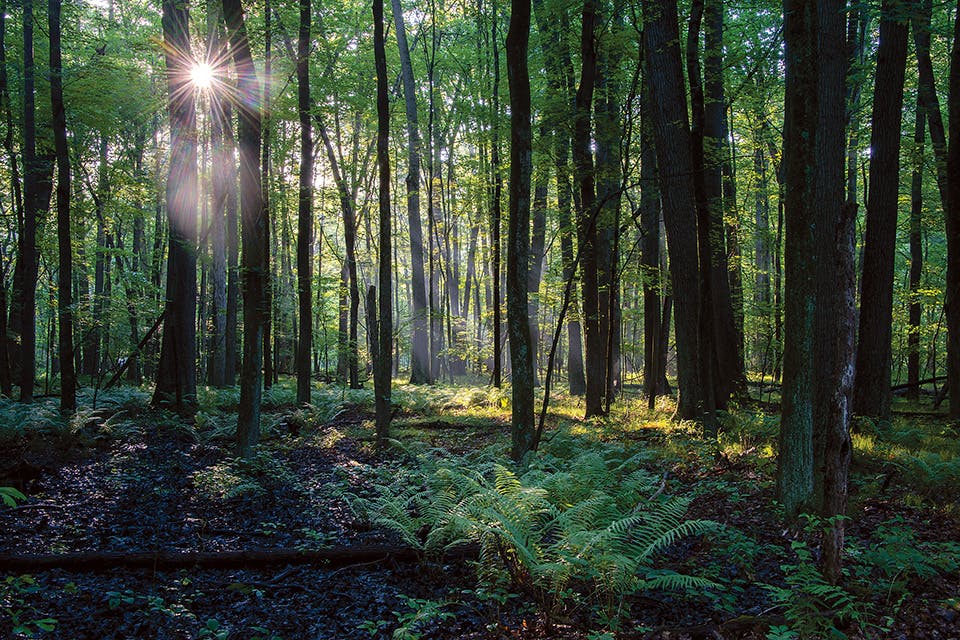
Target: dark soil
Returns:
[[155, 487]]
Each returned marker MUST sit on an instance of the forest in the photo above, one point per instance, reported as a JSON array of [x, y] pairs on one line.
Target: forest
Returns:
[[578, 319]]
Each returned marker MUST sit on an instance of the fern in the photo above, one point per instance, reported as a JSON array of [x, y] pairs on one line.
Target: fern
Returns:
[[563, 522]]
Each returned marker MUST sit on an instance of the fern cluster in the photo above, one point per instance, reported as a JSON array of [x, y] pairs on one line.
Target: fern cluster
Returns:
[[567, 530]]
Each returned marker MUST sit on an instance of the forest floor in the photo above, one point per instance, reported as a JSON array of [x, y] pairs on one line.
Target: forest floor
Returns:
[[126, 478]]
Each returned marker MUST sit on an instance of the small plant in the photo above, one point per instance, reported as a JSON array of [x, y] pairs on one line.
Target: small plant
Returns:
[[411, 624], [812, 606], [23, 618], [214, 630], [10, 496]]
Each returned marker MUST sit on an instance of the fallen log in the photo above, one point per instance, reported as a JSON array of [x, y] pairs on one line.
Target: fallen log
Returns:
[[93, 561]]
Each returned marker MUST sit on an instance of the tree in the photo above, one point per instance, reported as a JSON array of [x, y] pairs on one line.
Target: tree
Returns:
[[820, 285], [255, 220], [419, 350], [675, 166], [383, 363], [872, 395], [68, 378], [305, 210], [518, 230], [176, 376], [952, 303]]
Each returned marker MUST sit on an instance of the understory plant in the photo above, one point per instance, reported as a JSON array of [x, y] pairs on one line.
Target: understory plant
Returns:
[[566, 531]]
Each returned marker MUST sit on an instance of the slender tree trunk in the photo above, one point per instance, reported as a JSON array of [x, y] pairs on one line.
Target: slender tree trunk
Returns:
[[305, 209], [518, 234], [220, 132], [383, 359], [264, 144], [535, 273], [709, 364], [588, 216], [916, 256], [68, 379], [952, 303], [419, 352], [675, 166], [650, 254], [495, 215], [176, 375], [255, 220], [28, 244], [872, 395]]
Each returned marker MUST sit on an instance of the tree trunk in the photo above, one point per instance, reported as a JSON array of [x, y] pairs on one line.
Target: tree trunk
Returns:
[[952, 303], [916, 256], [382, 355], [419, 350], [495, 214], [675, 166], [264, 145], [255, 221], [730, 377], [220, 128], [820, 289], [68, 379], [305, 209], [535, 273], [518, 234], [176, 375], [26, 292], [872, 395], [587, 218], [650, 254]]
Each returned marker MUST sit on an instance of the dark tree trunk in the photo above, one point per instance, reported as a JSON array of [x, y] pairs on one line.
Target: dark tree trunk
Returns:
[[255, 221], [419, 349], [382, 354], [221, 137], [25, 294], [495, 214], [348, 355], [709, 368], [264, 144], [176, 375], [518, 234], [650, 255], [818, 355], [916, 256], [675, 166], [872, 395], [537, 243], [305, 209], [953, 230], [730, 376], [6, 380], [233, 254], [68, 379], [588, 215], [927, 92]]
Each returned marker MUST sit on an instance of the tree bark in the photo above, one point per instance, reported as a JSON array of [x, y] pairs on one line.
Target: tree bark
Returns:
[[495, 214], [383, 360], [820, 289], [872, 396], [265, 169], [419, 349], [255, 221], [176, 374], [518, 233], [916, 256], [587, 215], [675, 166], [304, 210], [952, 303], [68, 379]]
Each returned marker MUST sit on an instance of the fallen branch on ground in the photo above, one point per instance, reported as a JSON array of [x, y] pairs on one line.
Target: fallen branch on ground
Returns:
[[163, 560]]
